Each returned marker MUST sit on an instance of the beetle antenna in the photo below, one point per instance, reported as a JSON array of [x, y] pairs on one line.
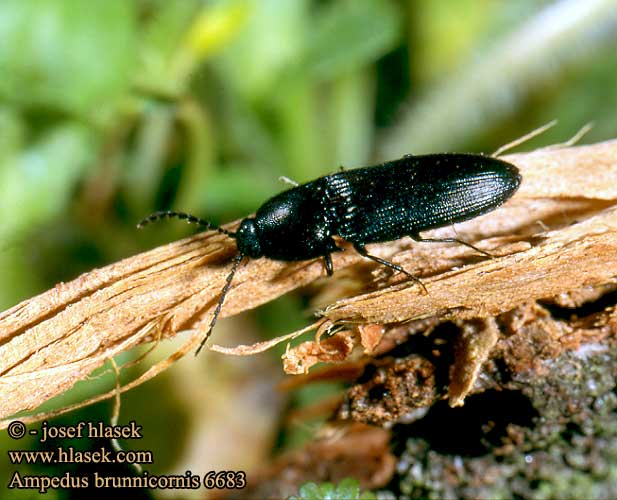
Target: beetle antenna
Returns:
[[190, 219], [219, 305]]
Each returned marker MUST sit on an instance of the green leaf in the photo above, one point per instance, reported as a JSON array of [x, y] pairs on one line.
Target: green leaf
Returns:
[[162, 34], [350, 34], [310, 491], [348, 488], [69, 56], [37, 183], [271, 41]]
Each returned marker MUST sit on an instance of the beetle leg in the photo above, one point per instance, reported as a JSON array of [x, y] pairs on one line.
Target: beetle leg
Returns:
[[362, 251], [418, 238], [328, 263]]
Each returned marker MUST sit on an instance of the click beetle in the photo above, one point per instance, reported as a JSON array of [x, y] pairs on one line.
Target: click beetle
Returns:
[[367, 205]]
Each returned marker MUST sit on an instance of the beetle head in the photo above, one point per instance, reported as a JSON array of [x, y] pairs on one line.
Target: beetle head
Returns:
[[247, 240]]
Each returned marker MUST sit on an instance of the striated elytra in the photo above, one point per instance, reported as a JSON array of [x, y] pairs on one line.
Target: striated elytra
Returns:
[[368, 205]]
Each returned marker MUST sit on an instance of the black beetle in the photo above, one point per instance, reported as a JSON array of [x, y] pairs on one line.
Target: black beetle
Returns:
[[368, 205]]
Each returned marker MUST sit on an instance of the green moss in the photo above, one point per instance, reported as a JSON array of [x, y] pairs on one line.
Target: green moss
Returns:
[[568, 451], [347, 489]]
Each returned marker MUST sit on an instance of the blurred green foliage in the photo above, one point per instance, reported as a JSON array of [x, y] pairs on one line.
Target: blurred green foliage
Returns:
[[111, 109]]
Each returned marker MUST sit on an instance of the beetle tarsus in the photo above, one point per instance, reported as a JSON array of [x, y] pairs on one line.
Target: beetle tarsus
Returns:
[[419, 239], [362, 251], [328, 263]]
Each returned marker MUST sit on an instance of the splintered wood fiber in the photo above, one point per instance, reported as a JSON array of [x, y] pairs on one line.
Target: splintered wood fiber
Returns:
[[556, 235]]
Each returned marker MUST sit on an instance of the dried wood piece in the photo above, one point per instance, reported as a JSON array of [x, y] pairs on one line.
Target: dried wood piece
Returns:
[[471, 357], [565, 260], [336, 348], [474, 345], [49, 342]]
